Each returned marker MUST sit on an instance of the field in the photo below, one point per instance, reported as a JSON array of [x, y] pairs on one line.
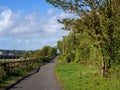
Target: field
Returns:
[[8, 60], [80, 77]]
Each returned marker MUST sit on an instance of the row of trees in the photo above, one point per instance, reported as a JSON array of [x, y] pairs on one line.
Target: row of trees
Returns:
[[95, 35], [45, 53]]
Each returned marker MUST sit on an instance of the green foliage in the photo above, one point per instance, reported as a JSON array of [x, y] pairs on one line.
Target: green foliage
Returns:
[[59, 46], [98, 26], [28, 54], [52, 52], [77, 55], [115, 71], [45, 50], [37, 54], [69, 57], [45, 53]]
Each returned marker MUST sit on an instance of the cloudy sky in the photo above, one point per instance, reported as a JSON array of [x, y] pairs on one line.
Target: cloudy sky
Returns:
[[29, 24]]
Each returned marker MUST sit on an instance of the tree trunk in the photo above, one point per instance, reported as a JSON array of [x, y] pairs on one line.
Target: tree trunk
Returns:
[[103, 69]]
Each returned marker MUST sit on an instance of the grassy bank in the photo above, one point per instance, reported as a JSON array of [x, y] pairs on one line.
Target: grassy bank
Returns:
[[17, 74], [80, 77]]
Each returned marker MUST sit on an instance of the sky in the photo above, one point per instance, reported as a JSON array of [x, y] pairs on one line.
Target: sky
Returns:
[[29, 24]]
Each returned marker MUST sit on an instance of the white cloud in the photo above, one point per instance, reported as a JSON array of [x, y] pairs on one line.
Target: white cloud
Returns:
[[31, 31], [50, 11], [5, 19], [52, 26]]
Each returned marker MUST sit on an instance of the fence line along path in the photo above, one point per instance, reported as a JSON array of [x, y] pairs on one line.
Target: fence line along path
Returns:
[[44, 79]]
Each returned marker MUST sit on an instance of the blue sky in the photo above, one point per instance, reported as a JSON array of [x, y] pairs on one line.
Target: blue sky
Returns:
[[29, 24]]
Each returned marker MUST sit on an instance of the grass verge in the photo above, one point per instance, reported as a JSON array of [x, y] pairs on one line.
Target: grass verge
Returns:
[[80, 77], [16, 75]]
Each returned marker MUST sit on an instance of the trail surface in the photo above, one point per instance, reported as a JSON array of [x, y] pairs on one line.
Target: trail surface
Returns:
[[44, 79]]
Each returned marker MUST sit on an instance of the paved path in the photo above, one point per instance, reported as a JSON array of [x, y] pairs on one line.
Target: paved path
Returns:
[[44, 79]]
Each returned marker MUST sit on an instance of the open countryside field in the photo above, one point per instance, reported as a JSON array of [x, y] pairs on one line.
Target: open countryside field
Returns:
[[8, 60]]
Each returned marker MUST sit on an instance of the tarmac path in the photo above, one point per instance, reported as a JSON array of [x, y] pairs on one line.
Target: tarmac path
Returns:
[[43, 79]]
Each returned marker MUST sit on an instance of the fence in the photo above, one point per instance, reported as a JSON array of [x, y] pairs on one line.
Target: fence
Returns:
[[8, 67]]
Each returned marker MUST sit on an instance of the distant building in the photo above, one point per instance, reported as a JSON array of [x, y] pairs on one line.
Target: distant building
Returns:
[[1, 52], [6, 53], [10, 54]]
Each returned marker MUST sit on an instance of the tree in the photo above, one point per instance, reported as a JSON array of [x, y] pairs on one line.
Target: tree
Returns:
[[45, 53], [37, 54], [99, 19], [52, 52]]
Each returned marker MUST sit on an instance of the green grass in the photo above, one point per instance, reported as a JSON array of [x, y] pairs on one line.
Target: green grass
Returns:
[[17, 74], [8, 60], [80, 77]]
